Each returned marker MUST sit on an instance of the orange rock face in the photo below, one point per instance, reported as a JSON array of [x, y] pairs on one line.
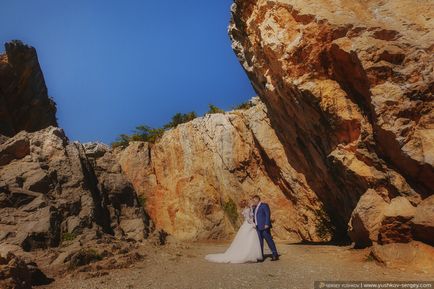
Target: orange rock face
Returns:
[[349, 91], [196, 171]]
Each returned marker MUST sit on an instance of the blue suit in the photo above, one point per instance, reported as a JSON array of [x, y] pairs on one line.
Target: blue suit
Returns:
[[262, 218]]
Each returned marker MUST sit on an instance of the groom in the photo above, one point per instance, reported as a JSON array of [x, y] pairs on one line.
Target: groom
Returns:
[[263, 225]]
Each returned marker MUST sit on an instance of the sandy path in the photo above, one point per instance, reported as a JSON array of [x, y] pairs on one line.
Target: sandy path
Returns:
[[299, 266]]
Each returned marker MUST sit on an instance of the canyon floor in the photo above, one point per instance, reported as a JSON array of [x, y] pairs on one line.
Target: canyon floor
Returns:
[[183, 266]]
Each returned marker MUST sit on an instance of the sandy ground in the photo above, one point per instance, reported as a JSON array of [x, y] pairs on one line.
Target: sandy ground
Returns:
[[184, 267]]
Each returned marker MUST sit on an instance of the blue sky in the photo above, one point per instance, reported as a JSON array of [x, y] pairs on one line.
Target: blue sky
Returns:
[[112, 65]]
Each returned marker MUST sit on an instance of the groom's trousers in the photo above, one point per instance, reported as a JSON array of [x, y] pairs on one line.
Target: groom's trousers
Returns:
[[266, 234]]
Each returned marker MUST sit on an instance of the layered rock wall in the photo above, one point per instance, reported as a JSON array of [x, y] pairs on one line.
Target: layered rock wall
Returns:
[[191, 178], [349, 90]]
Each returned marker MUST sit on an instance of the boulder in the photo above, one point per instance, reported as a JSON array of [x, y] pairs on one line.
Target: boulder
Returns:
[[415, 255], [36, 180], [396, 224], [376, 221], [366, 219], [16, 197], [14, 273], [423, 221], [37, 277], [12, 149], [17, 273]]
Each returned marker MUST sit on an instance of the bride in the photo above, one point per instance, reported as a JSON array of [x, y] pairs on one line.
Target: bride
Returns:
[[245, 247]]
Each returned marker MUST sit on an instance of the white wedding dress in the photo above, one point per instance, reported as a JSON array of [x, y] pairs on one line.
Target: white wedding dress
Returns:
[[245, 247]]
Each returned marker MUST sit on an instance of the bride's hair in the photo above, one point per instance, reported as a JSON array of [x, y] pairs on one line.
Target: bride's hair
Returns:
[[243, 203]]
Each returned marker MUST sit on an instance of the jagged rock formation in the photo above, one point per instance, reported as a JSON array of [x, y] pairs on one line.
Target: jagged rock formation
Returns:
[[193, 174], [127, 216], [54, 194], [24, 102], [349, 90], [66, 197], [14, 273], [50, 187]]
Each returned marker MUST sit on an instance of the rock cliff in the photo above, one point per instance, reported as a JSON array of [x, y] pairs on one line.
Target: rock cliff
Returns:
[[340, 143], [349, 90], [51, 188], [193, 178], [64, 198], [24, 101], [56, 195]]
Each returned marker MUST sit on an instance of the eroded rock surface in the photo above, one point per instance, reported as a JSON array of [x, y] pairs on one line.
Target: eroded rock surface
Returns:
[[59, 198], [52, 188], [190, 178], [349, 91]]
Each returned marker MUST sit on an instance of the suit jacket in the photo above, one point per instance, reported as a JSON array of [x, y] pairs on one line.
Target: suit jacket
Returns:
[[262, 216]]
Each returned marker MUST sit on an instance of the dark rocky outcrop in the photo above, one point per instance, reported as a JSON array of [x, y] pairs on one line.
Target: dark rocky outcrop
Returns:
[[53, 188], [61, 196], [24, 100], [14, 273]]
